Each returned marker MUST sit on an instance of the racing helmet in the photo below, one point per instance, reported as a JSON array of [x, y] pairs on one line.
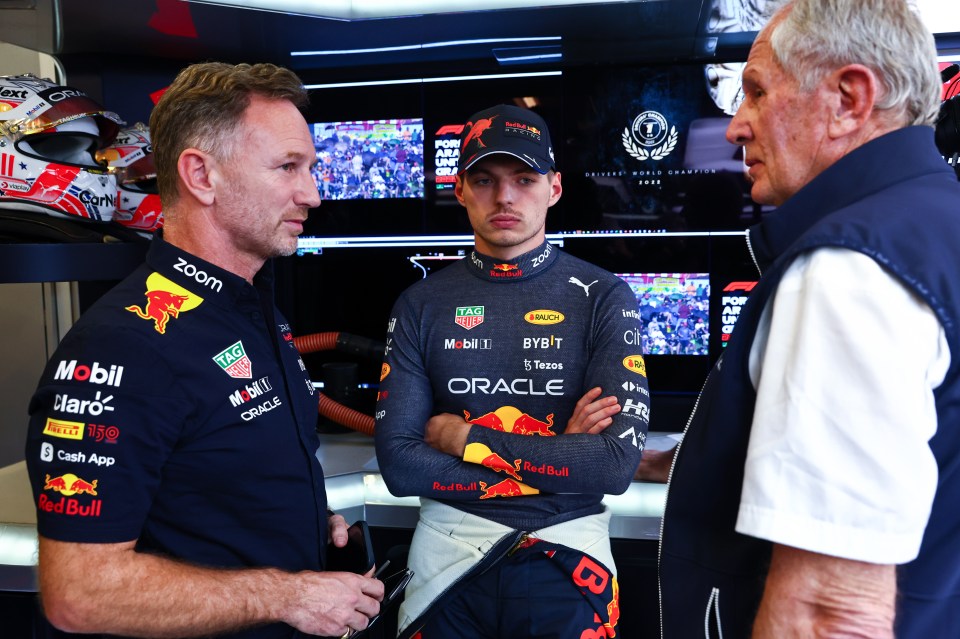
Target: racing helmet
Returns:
[[131, 158], [48, 136]]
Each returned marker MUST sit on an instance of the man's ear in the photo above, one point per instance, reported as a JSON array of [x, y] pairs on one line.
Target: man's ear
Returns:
[[556, 189], [458, 189], [197, 173], [855, 90]]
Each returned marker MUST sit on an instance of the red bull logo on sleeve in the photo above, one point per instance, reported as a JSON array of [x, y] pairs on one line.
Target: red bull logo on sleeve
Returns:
[[477, 453], [469, 316], [235, 362], [506, 488], [165, 301], [512, 420], [70, 484]]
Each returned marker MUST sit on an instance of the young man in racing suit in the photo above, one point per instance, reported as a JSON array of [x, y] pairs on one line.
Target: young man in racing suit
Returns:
[[490, 409]]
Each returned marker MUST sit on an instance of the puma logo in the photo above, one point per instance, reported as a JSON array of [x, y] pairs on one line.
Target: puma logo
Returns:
[[585, 287]]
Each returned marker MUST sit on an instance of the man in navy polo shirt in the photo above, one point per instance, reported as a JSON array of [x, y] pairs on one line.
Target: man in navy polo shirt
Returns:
[[171, 443]]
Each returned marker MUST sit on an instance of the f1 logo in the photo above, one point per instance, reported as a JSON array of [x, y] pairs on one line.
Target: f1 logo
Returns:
[[739, 286], [450, 129]]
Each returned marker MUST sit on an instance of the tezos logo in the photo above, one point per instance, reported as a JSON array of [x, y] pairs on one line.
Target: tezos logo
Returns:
[[647, 138]]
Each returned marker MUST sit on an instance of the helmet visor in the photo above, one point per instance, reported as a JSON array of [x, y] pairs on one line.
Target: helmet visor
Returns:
[[52, 107]]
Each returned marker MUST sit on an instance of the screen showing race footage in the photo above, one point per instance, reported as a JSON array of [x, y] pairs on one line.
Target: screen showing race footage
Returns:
[[674, 312], [369, 159]]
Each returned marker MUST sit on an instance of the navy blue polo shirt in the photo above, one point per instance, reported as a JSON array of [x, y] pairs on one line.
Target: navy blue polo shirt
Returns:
[[178, 412]]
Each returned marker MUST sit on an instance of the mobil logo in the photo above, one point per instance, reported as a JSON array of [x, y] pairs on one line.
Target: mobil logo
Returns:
[[94, 373]]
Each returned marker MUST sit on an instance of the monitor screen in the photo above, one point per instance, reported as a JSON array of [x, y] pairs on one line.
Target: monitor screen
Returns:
[[647, 148], [674, 312], [369, 159]]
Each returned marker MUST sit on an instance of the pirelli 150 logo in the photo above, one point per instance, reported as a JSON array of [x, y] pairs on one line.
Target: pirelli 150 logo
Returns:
[[648, 138]]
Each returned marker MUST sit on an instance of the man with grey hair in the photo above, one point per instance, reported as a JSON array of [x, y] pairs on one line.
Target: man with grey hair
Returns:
[[814, 493], [195, 504]]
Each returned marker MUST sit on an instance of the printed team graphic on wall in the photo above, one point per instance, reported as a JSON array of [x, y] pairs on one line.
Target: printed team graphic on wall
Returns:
[[165, 301], [648, 137]]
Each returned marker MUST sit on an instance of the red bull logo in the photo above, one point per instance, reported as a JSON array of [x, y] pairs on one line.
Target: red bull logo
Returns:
[[477, 453], [512, 420], [506, 488], [506, 270], [456, 487], [70, 484], [613, 611], [69, 506], [522, 128], [547, 469], [165, 301], [497, 463], [384, 371], [476, 132]]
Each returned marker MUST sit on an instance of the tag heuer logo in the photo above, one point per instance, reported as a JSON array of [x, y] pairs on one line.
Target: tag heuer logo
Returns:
[[469, 316], [234, 361]]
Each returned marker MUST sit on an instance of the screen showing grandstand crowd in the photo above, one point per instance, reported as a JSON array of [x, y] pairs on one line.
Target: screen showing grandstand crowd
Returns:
[[674, 312], [369, 159]]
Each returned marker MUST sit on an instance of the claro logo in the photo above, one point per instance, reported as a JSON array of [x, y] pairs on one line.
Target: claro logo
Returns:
[[543, 317]]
